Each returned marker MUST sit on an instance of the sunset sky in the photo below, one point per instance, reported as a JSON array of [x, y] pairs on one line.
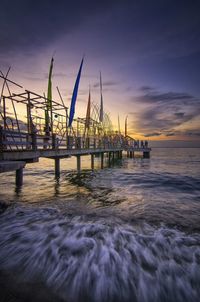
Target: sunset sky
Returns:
[[148, 53]]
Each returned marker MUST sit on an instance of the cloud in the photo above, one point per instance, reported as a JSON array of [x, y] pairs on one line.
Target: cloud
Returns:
[[34, 78], [152, 96], [105, 84], [146, 89], [152, 134], [164, 113], [26, 23], [179, 114], [170, 134], [193, 133]]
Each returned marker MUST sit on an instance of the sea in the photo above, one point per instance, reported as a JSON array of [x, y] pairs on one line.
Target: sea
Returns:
[[128, 232]]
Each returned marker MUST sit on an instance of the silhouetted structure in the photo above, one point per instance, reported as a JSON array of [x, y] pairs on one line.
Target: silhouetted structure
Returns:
[[30, 129]]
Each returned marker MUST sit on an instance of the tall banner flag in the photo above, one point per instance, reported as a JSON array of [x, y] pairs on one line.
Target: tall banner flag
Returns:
[[101, 107], [87, 121], [74, 95]]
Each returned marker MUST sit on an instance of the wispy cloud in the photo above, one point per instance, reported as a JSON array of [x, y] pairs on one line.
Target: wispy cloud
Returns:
[[170, 134], [179, 114], [152, 134], [105, 84], [152, 96], [164, 113]]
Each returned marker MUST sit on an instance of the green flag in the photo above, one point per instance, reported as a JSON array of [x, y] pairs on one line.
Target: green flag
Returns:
[[48, 101], [87, 121]]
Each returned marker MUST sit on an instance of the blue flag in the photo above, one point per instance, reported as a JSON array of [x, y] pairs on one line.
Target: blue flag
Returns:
[[74, 96]]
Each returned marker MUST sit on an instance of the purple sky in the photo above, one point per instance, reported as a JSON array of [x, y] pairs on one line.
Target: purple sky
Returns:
[[148, 53]]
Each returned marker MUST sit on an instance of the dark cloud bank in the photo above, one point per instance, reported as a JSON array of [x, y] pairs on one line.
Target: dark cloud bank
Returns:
[[166, 111], [34, 23]]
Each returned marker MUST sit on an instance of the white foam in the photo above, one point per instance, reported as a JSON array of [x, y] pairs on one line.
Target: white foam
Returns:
[[85, 260]]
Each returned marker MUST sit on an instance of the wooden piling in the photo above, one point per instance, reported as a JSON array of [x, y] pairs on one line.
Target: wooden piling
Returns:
[[78, 163], [19, 177], [109, 158], [57, 167], [146, 154], [54, 141], [92, 161], [34, 141], [102, 158], [1, 139]]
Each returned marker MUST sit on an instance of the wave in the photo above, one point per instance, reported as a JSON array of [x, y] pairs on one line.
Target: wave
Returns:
[[88, 258]]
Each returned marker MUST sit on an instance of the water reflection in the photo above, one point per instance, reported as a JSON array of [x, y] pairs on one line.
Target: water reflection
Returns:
[[164, 188]]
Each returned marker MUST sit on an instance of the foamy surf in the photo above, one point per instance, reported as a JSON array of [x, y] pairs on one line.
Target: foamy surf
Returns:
[[94, 259]]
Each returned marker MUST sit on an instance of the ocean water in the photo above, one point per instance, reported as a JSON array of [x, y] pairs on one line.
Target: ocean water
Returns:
[[129, 232]]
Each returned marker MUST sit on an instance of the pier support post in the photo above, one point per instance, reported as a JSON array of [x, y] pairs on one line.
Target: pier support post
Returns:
[[113, 155], [92, 161], [34, 141], [19, 177], [109, 158], [2, 147], [102, 157], [131, 154], [54, 141], [57, 167], [127, 153], [78, 163], [146, 154]]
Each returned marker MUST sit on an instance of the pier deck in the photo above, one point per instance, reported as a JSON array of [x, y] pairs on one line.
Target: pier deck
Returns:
[[8, 166]]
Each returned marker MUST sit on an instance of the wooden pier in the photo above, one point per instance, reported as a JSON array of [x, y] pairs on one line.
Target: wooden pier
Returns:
[[30, 129]]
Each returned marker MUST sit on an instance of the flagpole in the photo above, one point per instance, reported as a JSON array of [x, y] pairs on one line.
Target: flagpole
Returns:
[[101, 104], [66, 113], [126, 124], [119, 125]]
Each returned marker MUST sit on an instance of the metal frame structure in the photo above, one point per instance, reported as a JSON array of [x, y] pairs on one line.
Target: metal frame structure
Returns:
[[28, 122], [32, 126]]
